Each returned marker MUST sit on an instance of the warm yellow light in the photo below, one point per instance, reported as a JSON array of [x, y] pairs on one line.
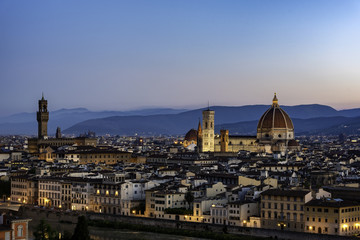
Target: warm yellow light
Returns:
[[60, 206], [185, 216], [116, 193], [133, 211], [100, 210], [345, 226], [107, 192], [8, 199], [98, 192], [19, 199], [310, 227], [244, 221], [357, 224], [279, 224], [213, 205]]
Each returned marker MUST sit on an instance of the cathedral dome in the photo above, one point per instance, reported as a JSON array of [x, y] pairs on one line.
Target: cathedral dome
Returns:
[[275, 117], [275, 123]]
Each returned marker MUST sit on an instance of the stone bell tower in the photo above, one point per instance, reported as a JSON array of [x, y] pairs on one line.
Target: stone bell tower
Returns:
[[208, 131], [42, 118]]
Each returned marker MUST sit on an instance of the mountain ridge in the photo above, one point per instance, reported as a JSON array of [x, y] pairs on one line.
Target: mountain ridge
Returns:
[[162, 120]]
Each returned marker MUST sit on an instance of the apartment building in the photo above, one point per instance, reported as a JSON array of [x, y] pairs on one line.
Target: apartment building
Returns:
[[332, 216], [160, 198], [284, 209], [82, 192], [49, 192], [24, 189]]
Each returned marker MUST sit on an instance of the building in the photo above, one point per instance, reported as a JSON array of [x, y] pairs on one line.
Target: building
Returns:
[[50, 192], [159, 198], [275, 134], [191, 137], [108, 193], [82, 192], [42, 118], [208, 131], [332, 216], [14, 228], [284, 209], [65, 194], [107, 155], [24, 189]]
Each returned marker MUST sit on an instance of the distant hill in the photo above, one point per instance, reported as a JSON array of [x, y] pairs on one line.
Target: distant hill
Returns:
[[323, 125], [239, 120], [25, 123]]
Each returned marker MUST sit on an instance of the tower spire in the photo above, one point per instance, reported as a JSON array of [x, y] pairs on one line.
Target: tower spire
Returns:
[[42, 96]]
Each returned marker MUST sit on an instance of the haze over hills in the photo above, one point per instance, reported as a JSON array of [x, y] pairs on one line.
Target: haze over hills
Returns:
[[25, 123], [155, 121], [239, 120], [311, 126]]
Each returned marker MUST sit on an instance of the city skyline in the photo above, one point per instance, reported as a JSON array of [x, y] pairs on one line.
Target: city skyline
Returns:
[[132, 55]]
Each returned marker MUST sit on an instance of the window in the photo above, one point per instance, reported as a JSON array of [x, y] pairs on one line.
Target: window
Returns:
[[20, 231]]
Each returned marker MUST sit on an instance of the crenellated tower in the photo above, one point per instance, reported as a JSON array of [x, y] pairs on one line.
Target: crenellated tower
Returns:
[[42, 118]]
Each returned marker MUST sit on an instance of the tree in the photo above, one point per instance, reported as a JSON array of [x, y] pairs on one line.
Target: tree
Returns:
[[44, 231], [189, 197], [66, 236], [81, 230]]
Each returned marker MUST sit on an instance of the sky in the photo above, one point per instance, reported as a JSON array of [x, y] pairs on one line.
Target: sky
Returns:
[[120, 55]]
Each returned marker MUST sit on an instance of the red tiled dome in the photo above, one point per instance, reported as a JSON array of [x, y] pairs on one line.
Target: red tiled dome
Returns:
[[275, 117]]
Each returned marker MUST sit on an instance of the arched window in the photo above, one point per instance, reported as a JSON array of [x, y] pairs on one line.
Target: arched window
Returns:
[[20, 231]]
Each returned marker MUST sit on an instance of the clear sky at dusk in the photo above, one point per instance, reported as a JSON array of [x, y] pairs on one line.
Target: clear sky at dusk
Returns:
[[117, 55]]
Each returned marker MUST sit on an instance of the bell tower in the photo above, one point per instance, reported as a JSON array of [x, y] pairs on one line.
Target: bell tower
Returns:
[[208, 127], [42, 118]]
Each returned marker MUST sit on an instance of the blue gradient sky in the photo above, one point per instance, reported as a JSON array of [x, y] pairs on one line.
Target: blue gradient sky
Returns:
[[117, 55]]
